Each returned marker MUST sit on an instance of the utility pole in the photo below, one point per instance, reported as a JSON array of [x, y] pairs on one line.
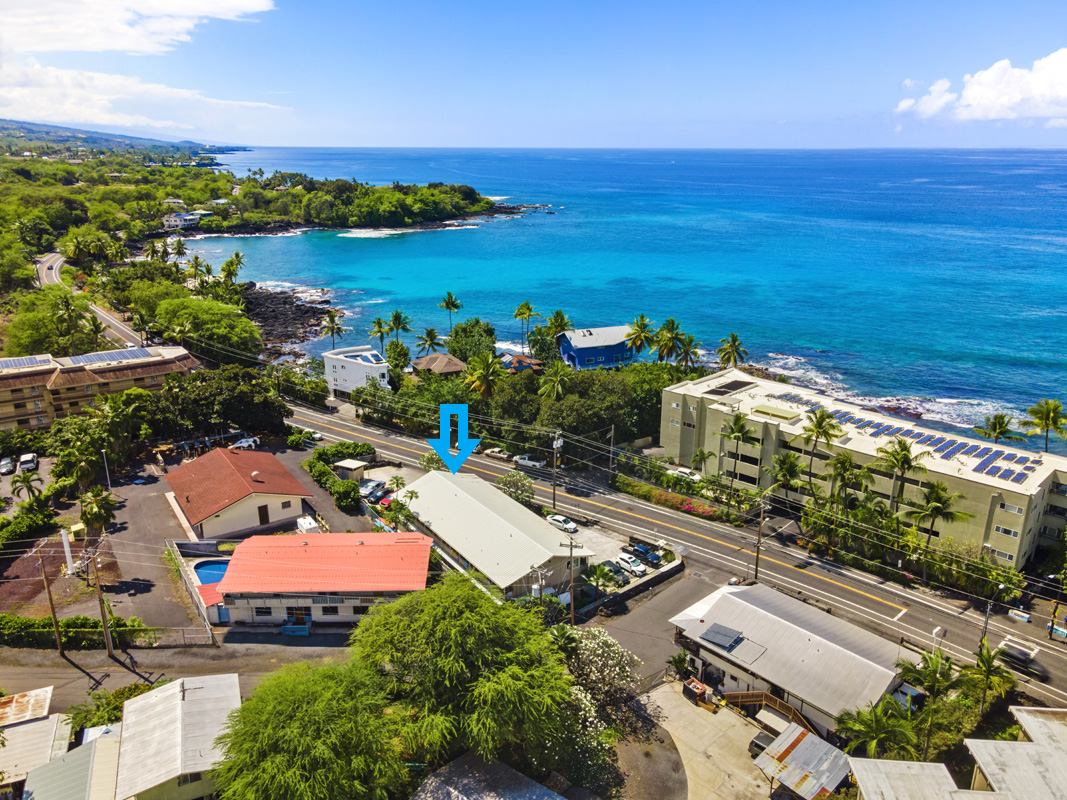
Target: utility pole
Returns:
[[611, 456], [759, 536], [988, 608], [103, 608], [570, 543], [1056, 605], [556, 445], [106, 472], [51, 604]]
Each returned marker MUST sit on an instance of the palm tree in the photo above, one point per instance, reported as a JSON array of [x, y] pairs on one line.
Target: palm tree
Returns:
[[881, 729], [180, 330], [554, 381], [117, 252], [600, 577], [937, 505], [98, 511], [164, 251], [558, 323], [845, 474], [237, 259], [331, 326], [820, 427], [640, 335], [179, 248], [399, 322], [26, 482], [1046, 416], [152, 250], [450, 303], [935, 675], [140, 322], [737, 431], [730, 352], [668, 340], [195, 267], [700, 458], [998, 427], [379, 329], [524, 313], [429, 342], [785, 471], [396, 483], [484, 374], [564, 638], [897, 457], [989, 673], [229, 271], [688, 352], [96, 330]]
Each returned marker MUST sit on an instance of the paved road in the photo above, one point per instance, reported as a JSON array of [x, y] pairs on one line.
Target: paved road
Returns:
[[120, 331], [883, 607]]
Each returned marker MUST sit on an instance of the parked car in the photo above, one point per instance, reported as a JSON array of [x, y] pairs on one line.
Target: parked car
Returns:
[[530, 461], [368, 487], [7, 465], [685, 472], [314, 435], [1021, 657], [378, 494], [387, 501], [620, 577], [630, 564], [250, 443], [561, 522], [760, 742], [647, 555], [28, 462], [498, 454]]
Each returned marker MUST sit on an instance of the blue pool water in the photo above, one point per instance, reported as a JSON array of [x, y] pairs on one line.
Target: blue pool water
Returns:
[[927, 280], [210, 571]]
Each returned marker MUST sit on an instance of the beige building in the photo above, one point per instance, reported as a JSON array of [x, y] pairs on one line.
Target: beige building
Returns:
[[1017, 496], [36, 390]]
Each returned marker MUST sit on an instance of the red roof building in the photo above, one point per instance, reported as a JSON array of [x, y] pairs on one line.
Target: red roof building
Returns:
[[230, 491], [321, 577]]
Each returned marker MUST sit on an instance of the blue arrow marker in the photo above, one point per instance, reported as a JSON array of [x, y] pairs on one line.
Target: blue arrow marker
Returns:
[[441, 443]]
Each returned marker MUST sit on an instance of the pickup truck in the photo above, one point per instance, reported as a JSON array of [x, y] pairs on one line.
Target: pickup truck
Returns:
[[530, 461], [645, 555], [498, 454], [1020, 656]]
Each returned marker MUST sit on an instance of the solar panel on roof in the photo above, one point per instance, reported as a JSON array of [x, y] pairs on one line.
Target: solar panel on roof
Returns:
[[111, 355], [895, 431], [954, 450], [1022, 460], [907, 433], [983, 452], [970, 451], [989, 459], [1009, 457], [1006, 473], [992, 471], [918, 435], [1020, 477], [1028, 468], [27, 361], [943, 447], [938, 440], [722, 637]]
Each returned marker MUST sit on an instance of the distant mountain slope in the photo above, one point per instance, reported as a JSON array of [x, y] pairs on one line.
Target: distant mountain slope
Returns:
[[60, 136]]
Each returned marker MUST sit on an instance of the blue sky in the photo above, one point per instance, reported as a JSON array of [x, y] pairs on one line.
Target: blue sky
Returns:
[[544, 74]]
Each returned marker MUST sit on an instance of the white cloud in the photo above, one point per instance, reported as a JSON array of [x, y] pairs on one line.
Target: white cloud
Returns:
[[129, 26], [1001, 92], [1059, 122], [908, 83]]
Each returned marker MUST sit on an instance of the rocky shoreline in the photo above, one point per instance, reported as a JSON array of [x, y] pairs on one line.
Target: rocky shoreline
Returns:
[[286, 317]]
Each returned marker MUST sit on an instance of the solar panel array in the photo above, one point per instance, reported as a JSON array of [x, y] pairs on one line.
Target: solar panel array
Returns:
[[111, 355], [28, 361], [722, 637]]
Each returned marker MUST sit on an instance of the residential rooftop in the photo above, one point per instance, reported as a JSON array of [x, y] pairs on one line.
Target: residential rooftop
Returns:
[[364, 354], [1002, 466], [25, 706], [598, 337]]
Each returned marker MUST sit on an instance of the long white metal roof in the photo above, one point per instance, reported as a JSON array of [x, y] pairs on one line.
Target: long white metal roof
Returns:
[[85, 773], [171, 731], [500, 537], [31, 744], [830, 663]]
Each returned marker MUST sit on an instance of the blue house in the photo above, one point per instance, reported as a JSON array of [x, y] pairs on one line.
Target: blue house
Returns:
[[596, 348]]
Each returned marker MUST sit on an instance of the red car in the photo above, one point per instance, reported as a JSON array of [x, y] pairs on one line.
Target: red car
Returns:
[[387, 501]]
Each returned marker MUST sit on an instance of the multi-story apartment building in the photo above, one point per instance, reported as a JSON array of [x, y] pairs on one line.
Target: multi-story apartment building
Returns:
[[1016, 496], [36, 390], [350, 368]]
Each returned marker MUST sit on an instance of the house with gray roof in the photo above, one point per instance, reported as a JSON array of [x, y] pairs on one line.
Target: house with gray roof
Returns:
[[85, 773], [596, 348], [470, 777]]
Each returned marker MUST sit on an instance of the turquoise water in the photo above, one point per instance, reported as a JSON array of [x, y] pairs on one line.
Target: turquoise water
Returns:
[[210, 571], [933, 279]]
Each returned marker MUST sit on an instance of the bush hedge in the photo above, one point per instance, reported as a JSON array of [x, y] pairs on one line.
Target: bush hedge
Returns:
[[345, 493], [14, 531], [79, 632], [678, 502]]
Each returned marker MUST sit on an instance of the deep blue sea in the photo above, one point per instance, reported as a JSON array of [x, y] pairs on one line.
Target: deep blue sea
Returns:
[[931, 278]]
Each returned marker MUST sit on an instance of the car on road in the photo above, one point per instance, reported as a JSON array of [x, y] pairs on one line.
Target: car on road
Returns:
[[685, 472], [621, 577], [630, 564], [530, 461], [132, 346], [498, 454], [250, 443], [7, 465], [647, 555], [367, 487], [49, 266], [378, 494], [28, 462], [1021, 657], [561, 522]]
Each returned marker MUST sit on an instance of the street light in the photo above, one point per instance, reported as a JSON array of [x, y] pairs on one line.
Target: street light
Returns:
[[108, 474], [988, 608], [939, 631], [1055, 606]]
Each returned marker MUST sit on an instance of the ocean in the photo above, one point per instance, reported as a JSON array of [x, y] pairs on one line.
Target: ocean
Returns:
[[924, 279]]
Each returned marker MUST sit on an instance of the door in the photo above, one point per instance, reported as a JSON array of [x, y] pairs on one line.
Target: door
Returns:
[[298, 614], [264, 515], [224, 614]]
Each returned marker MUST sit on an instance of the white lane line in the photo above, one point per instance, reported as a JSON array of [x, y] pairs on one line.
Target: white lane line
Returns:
[[903, 611]]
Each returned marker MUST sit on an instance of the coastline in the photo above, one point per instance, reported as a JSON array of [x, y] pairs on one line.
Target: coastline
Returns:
[[286, 317]]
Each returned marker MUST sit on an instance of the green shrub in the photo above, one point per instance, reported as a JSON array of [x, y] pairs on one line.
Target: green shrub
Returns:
[[78, 632], [298, 440]]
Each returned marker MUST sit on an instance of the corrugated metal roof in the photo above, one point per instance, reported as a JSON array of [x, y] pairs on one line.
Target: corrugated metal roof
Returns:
[[830, 663], [500, 537], [86, 773], [1026, 770], [28, 745], [902, 780], [171, 731], [470, 777], [598, 337], [805, 763], [328, 562], [25, 706]]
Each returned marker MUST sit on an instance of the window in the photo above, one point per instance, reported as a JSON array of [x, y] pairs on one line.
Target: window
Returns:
[[600, 358], [17, 391], [74, 404], [589, 361], [191, 777], [1001, 554], [19, 405], [616, 359], [1007, 531], [1011, 508], [676, 405], [23, 422], [40, 420], [688, 424], [138, 380], [33, 390], [675, 423], [264, 611], [693, 409], [357, 610], [331, 611], [287, 504], [154, 379], [87, 389]]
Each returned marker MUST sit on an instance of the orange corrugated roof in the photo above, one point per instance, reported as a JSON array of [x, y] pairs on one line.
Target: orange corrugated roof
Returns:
[[25, 706], [216, 480], [328, 562], [209, 593]]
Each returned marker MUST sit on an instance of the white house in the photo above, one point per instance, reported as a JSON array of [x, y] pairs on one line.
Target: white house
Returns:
[[173, 222], [349, 368]]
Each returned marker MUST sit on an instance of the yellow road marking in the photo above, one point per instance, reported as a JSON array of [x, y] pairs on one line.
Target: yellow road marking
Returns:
[[639, 516]]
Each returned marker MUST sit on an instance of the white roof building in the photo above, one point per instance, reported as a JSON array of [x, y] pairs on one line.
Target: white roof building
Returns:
[[349, 368], [28, 745], [171, 731], [503, 540], [85, 773]]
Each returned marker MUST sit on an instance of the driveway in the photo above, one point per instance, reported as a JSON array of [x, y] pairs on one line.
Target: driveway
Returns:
[[320, 500], [44, 469]]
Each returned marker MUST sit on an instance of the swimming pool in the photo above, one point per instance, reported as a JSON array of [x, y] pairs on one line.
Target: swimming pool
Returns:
[[210, 571]]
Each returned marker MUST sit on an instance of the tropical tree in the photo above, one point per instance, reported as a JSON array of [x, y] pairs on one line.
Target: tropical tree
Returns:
[[332, 327], [785, 471], [450, 303], [558, 323], [179, 248], [730, 352], [97, 511], [935, 674], [937, 506], [379, 329], [554, 381], [195, 267], [736, 430], [151, 249], [96, 330], [484, 374], [897, 457], [140, 322], [688, 352], [396, 483], [988, 673], [26, 483], [180, 330], [997, 427], [399, 322], [565, 639], [668, 340], [524, 313], [640, 336], [821, 426], [700, 458], [429, 342], [880, 729], [1046, 417], [599, 577]]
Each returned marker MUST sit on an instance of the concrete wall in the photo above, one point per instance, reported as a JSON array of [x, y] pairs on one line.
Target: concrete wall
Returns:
[[244, 514], [350, 609]]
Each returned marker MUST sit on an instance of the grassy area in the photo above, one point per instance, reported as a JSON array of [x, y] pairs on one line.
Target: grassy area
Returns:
[[227, 547]]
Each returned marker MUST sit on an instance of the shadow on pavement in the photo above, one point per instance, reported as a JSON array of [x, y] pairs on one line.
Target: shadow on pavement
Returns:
[[338, 638]]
